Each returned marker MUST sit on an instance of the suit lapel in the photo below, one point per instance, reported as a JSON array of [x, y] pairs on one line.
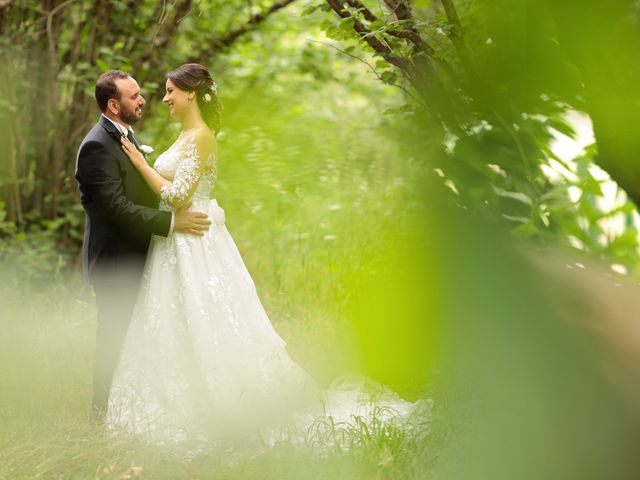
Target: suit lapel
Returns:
[[116, 135], [110, 128], [132, 179]]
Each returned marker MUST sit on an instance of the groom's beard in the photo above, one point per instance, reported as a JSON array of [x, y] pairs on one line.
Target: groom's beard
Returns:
[[128, 116]]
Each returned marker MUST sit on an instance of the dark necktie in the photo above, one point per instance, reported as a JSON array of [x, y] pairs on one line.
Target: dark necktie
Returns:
[[132, 138]]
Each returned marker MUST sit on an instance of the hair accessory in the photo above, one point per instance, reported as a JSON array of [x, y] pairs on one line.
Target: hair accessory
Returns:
[[212, 89]]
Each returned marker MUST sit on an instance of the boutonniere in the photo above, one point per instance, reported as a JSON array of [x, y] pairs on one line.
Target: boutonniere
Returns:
[[146, 149]]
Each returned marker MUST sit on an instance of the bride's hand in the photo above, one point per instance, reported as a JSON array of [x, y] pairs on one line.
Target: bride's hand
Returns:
[[133, 153]]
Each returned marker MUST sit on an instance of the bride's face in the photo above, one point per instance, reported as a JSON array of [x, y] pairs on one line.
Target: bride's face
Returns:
[[177, 100]]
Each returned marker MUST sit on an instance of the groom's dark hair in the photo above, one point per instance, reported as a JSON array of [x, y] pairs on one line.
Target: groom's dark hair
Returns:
[[106, 87]]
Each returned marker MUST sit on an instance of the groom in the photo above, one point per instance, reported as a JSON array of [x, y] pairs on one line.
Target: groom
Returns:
[[122, 215]]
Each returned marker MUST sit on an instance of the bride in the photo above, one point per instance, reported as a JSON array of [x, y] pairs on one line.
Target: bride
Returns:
[[201, 361]]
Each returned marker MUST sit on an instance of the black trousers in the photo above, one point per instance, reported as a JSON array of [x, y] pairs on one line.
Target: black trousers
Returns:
[[116, 294]]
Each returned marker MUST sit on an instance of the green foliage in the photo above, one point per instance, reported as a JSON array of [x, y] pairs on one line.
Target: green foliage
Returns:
[[6, 227], [493, 138], [490, 116], [309, 188], [324, 169], [31, 259]]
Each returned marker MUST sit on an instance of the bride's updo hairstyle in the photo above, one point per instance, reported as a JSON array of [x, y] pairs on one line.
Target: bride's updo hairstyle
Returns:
[[193, 77]]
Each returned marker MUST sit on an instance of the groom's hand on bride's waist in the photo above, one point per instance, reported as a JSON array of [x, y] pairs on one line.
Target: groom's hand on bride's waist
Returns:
[[195, 223]]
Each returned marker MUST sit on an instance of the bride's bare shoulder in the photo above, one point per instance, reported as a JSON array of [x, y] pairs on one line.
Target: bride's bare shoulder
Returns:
[[203, 134], [205, 140]]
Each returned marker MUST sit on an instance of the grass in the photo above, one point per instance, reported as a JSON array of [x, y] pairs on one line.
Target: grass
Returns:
[[308, 216]]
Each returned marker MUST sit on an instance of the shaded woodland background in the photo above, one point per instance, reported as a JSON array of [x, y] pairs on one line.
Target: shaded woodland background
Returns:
[[440, 193], [487, 83]]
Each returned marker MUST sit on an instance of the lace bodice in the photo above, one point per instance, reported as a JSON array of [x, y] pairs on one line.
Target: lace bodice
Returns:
[[192, 177]]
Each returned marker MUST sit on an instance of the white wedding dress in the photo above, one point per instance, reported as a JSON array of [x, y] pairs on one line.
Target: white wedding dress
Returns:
[[201, 363]]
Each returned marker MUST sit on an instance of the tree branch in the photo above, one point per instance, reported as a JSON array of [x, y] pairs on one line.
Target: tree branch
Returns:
[[408, 34], [456, 33], [368, 65], [402, 11], [380, 47], [368, 15], [226, 40], [158, 45], [50, 15]]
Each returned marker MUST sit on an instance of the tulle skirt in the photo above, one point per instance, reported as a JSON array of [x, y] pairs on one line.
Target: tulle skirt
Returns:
[[202, 363]]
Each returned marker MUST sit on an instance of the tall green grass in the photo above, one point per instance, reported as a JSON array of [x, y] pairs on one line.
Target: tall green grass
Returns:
[[311, 200]]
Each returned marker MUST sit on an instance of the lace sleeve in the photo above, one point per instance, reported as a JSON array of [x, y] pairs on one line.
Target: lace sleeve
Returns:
[[185, 179]]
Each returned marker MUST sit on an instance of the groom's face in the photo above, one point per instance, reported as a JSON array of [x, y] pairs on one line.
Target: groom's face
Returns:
[[131, 101]]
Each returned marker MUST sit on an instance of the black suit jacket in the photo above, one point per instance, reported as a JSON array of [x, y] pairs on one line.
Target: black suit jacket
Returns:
[[121, 209]]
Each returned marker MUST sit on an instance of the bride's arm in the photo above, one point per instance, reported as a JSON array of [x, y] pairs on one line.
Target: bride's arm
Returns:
[[177, 192]]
